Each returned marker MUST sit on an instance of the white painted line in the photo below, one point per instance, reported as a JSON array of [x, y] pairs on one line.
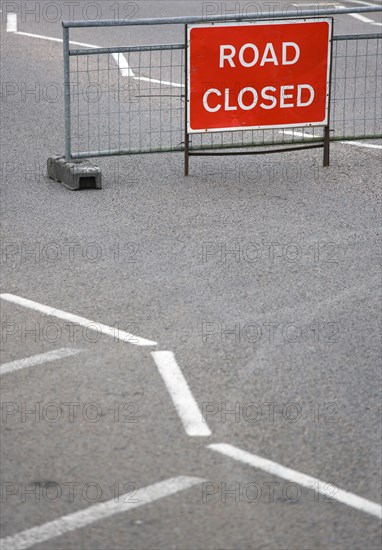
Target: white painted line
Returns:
[[122, 63], [317, 4], [180, 393], [76, 319], [333, 3], [356, 143], [361, 17], [273, 468], [165, 82], [362, 2], [11, 22], [118, 57], [295, 133], [355, 15], [52, 39], [360, 144], [77, 520], [38, 359]]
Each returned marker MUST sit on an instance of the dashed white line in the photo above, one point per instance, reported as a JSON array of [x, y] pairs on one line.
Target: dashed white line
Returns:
[[122, 63], [295, 133], [180, 393], [52, 39], [76, 319], [38, 359], [364, 19], [356, 143], [165, 82], [363, 3], [11, 22], [120, 59], [315, 4], [71, 522], [273, 468], [355, 15], [361, 144]]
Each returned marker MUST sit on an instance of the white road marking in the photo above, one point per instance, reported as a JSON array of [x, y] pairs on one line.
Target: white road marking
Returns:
[[77, 520], [11, 22], [295, 133], [363, 3], [76, 319], [52, 39], [120, 59], [317, 4], [122, 63], [356, 143], [360, 144], [180, 393], [165, 82], [364, 19], [38, 359], [355, 15], [273, 468]]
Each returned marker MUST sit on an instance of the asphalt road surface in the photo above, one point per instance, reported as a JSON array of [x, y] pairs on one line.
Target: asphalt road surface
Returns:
[[186, 362]]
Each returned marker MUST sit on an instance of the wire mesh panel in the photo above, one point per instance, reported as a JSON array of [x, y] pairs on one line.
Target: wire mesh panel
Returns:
[[127, 102], [357, 87], [131, 100]]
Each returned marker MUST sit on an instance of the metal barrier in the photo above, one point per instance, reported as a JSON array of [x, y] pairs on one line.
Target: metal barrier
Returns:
[[129, 100]]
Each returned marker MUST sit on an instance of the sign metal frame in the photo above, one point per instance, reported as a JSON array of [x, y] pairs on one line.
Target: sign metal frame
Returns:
[[325, 123]]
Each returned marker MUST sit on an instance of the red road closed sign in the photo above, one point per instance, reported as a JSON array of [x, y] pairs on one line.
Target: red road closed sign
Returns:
[[257, 75]]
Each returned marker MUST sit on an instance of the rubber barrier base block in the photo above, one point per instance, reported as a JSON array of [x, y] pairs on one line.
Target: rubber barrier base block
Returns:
[[75, 175]]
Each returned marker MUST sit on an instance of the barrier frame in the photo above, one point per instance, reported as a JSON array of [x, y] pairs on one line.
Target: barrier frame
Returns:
[[185, 145]]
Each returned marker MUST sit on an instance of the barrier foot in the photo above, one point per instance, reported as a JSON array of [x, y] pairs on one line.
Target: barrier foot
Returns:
[[74, 174]]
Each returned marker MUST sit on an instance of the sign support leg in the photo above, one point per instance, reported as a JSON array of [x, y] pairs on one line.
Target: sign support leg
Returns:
[[186, 155], [326, 145]]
